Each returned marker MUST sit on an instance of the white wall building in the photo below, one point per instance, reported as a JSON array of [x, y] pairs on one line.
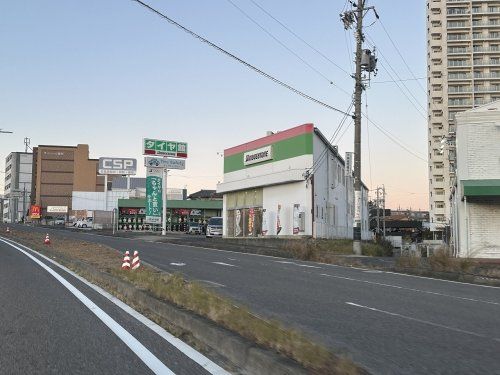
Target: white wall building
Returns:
[[291, 183], [18, 173], [475, 198]]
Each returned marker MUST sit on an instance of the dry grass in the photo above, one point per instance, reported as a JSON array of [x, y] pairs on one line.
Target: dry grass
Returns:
[[329, 251], [202, 301]]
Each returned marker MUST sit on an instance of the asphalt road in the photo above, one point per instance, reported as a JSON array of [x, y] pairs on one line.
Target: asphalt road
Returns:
[[389, 323], [45, 328]]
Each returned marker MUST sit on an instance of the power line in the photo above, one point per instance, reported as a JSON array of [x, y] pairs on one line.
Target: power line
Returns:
[[299, 37], [394, 139], [272, 36], [234, 57], [400, 55], [401, 80]]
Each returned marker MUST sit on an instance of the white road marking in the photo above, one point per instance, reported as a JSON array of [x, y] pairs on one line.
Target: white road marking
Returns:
[[187, 350], [137, 348], [231, 258], [410, 289], [177, 264], [212, 283], [421, 321], [224, 264], [296, 264]]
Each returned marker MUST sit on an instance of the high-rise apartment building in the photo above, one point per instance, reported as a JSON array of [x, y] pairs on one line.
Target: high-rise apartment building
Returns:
[[463, 71]]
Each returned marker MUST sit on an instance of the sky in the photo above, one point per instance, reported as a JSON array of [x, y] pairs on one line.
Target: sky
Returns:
[[109, 73]]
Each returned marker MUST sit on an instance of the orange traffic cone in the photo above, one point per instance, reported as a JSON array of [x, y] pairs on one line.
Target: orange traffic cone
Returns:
[[47, 240], [136, 261], [126, 261], [7, 230]]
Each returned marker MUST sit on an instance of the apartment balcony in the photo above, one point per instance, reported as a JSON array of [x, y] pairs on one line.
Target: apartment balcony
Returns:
[[488, 76], [478, 50], [439, 210], [458, 64], [487, 89], [480, 24], [459, 51], [459, 76], [459, 90], [457, 12], [490, 10], [486, 37], [458, 37], [459, 103], [490, 62], [458, 25]]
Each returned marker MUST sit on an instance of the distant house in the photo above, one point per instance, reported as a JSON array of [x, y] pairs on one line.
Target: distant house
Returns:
[[203, 194]]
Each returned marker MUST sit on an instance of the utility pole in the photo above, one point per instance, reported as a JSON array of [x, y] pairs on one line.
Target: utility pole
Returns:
[[365, 61], [383, 212], [378, 211]]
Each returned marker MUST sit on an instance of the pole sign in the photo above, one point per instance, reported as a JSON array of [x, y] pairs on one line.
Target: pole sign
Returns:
[[164, 163], [118, 166], [164, 148], [154, 195], [35, 212]]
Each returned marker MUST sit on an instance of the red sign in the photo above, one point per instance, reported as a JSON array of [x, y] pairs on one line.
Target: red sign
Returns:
[[35, 212]]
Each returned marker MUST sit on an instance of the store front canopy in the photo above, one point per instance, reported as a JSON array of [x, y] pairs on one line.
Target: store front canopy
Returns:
[[481, 188]]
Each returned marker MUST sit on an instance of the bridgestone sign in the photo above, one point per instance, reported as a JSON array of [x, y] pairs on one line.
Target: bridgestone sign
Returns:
[[258, 156]]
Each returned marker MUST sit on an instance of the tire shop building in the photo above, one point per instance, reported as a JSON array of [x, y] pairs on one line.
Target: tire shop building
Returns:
[[132, 213], [289, 183]]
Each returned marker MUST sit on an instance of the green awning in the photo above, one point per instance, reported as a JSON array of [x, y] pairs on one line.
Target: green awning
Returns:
[[189, 204], [481, 188]]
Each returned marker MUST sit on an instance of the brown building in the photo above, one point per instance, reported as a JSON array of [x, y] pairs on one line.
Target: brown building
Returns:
[[60, 170]]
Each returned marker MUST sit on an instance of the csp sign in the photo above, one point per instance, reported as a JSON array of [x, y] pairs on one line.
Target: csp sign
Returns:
[[117, 166]]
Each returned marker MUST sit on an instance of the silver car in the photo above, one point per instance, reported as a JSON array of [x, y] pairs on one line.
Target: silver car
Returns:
[[214, 227]]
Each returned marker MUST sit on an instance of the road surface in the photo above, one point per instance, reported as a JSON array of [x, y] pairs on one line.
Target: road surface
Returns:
[[389, 323], [52, 323]]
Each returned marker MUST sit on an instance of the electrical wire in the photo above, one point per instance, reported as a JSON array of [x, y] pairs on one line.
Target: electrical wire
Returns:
[[299, 37], [400, 54], [272, 36], [402, 80], [234, 57]]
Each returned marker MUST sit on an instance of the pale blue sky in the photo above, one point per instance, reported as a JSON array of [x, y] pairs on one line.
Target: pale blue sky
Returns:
[[109, 73]]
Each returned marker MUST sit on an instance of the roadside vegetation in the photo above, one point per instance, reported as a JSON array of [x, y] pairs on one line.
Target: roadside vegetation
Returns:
[[442, 264], [192, 296], [328, 251]]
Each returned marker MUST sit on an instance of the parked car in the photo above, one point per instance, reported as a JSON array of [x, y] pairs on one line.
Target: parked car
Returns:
[[214, 227], [84, 223], [194, 228], [59, 221]]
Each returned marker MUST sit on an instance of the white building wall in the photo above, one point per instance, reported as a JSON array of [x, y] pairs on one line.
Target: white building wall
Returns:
[[476, 220], [96, 201], [287, 195]]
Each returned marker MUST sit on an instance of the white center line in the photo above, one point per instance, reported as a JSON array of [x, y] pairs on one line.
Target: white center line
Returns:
[[410, 289], [212, 283], [422, 321], [224, 264], [177, 264], [296, 264]]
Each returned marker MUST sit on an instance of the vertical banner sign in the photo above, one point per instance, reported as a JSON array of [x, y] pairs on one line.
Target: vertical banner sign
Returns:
[[265, 225], [251, 220], [237, 223], [296, 219], [154, 195], [278, 220], [357, 208]]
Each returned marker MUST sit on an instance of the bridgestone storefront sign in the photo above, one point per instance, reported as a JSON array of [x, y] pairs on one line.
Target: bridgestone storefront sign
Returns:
[[258, 156]]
